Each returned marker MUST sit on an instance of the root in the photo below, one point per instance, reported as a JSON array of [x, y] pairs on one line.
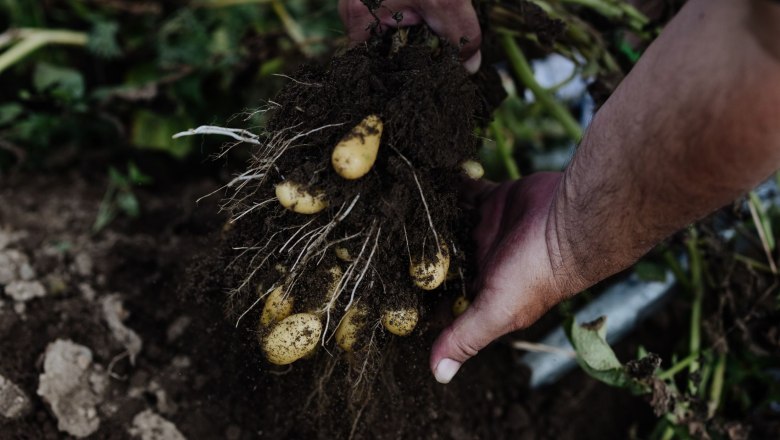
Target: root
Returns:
[[344, 281], [296, 81], [320, 392], [369, 351], [265, 159], [312, 246], [422, 196], [365, 268], [254, 304]]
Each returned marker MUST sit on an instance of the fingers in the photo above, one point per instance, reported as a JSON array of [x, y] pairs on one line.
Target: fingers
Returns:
[[358, 19], [470, 333], [454, 20]]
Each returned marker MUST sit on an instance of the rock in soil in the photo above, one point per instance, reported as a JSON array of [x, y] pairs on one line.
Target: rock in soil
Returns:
[[23, 291], [14, 266], [14, 402], [72, 386], [150, 426], [114, 314]]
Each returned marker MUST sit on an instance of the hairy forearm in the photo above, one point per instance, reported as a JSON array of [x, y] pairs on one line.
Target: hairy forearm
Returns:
[[695, 124]]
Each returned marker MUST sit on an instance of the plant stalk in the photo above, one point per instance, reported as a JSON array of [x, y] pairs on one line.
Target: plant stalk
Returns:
[[504, 149], [34, 39], [524, 72], [697, 286]]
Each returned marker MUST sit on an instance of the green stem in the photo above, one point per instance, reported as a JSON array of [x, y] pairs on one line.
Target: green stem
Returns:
[[504, 149], [34, 39], [668, 433], [716, 389], [614, 11], [753, 264], [523, 71], [293, 29], [677, 270], [679, 366], [698, 292]]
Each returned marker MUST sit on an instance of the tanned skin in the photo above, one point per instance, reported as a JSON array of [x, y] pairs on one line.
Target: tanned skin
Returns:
[[693, 126]]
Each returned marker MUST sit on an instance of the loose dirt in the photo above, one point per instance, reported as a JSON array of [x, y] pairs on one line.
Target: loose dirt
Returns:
[[197, 372]]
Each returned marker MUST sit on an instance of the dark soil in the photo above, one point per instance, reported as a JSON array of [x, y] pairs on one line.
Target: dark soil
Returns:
[[197, 371]]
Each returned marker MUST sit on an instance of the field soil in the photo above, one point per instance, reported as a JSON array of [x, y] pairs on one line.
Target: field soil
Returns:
[[149, 354]]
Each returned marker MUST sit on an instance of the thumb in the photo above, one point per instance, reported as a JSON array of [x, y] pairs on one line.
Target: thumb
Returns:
[[472, 331]]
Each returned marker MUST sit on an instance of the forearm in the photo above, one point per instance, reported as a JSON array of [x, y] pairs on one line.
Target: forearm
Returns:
[[693, 126]]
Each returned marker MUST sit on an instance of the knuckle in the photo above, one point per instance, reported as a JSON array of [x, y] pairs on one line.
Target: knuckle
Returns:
[[352, 10], [465, 347]]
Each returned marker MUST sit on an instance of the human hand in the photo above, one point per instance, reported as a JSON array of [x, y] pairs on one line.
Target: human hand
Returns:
[[454, 20], [519, 272]]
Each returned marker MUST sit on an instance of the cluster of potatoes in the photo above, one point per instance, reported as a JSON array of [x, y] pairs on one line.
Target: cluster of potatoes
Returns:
[[294, 336]]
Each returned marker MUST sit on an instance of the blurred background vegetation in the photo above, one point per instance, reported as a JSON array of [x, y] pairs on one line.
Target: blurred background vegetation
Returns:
[[84, 74]]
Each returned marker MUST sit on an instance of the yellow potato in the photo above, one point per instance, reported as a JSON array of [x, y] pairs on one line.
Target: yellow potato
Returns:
[[295, 198], [460, 305], [356, 152], [473, 169], [400, 322], [293, 338], [347, 332], [342, 254], [277, 307], [428, 274], [335, 274]]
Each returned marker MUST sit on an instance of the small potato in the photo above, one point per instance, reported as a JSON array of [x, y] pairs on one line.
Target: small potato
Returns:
[[356, 152], [293, 338], [335, 275], [429, 275], [295, 198], [349, 329], [277, 307], [473, 169], [342, 254], [460, 305], [400, 322]]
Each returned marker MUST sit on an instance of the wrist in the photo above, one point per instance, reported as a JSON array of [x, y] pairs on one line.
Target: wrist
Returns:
[[566, 264]]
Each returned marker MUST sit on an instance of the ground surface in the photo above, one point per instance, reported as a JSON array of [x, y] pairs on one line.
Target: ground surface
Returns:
[[132, 289]]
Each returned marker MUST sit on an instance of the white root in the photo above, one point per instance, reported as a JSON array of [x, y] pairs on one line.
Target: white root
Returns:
[[238, 134], [344, 281], [254, 304], [422, 196]]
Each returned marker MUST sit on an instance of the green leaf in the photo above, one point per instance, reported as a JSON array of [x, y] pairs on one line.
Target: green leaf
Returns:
[[650, 271], [128, 203], [62, 83], [589, 340], [102, 40], [116, 178], [594, 355], [136, 176], [9, 112], [154, 131]]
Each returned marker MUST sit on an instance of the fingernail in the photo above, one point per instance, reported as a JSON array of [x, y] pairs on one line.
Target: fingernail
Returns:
[[445, 370], [472, 64]]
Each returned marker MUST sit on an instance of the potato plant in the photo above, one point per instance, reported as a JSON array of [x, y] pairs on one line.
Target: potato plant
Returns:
[[345, 229]]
